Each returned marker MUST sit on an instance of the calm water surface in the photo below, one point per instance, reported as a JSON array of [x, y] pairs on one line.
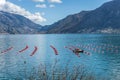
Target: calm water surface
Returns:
[[101, 62]]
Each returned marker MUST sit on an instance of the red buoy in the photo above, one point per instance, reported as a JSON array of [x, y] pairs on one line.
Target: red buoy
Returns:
[[55, 50], [35, 49], [4, 51], [24, 49]]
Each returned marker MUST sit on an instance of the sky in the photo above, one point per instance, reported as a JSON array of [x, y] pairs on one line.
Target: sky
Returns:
[[46, 12]]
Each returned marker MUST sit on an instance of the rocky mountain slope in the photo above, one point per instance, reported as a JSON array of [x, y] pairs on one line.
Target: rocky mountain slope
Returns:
[[16, 24], [105, 19]]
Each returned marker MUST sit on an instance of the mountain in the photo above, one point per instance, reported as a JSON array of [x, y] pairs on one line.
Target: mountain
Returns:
[[105, 19], [16, 24]]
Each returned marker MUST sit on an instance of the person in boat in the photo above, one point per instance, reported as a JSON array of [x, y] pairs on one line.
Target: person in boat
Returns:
[[77, 51]]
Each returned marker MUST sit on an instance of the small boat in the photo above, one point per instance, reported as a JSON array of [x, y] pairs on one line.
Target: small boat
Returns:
[[77, 50]]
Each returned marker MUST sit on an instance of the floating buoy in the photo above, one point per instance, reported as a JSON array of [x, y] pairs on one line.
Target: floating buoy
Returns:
[[24, 49], [35, 49], [55, 50], [4, 51]]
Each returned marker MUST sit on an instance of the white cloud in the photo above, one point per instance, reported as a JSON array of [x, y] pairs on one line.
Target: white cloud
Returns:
[[12, 8], [2, 2], [39, 0], [51, 6], [55, 1], [51, 1], [41, 6], [37, 17]]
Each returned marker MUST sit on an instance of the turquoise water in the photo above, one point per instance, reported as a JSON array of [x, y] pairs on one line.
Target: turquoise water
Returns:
[[104, 58]]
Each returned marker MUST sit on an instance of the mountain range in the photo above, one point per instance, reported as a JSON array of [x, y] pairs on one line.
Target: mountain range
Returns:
[[16, 24], [105, 19]]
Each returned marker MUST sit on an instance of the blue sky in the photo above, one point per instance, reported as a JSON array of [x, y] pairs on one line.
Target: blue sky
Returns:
[[49, 11]]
